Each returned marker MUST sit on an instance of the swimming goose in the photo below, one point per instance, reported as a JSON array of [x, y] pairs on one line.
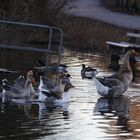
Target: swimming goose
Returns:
[[116, 85], [44, 87], [56, 92], [48, 89], [18, 92], [40, 65], [57, 97], [88, 72], [66, 78]]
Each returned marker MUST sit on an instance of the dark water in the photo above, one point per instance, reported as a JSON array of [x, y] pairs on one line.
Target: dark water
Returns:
[[87, 117]]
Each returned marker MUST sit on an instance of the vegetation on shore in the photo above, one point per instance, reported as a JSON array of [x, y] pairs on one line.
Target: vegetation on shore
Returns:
[[86, 35], [80, 34]]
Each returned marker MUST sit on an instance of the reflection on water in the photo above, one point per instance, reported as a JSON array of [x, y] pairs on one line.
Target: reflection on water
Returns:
[[117, 107], [30, 119], [87, 117]]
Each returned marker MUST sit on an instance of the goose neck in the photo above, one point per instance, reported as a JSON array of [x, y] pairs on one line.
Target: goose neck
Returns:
[[126, 63]]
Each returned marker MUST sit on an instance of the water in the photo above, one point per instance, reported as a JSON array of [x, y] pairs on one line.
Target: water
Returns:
[[87, 117]]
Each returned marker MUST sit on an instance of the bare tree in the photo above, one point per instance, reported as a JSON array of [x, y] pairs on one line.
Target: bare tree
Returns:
[[32, 10]]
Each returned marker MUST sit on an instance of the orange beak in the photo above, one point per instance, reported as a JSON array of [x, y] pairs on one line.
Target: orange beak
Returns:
[[33, 82]]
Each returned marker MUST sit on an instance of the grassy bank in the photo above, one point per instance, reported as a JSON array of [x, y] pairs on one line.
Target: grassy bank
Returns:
[[80, 34], [83, 34]]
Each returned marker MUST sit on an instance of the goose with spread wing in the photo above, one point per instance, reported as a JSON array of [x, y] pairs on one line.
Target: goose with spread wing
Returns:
[[56, 92], [117, 84], [45, 87], [49, 96]]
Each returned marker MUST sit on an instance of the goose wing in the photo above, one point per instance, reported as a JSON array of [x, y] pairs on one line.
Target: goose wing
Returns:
[[9, 87], [20, 81], [116, 87], [51, 94], [109, 87]]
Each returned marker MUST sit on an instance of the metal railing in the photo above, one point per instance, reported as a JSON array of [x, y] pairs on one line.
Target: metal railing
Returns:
[[51, 29]]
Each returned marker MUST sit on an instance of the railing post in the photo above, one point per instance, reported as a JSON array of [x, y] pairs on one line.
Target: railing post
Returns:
[[47, 55]]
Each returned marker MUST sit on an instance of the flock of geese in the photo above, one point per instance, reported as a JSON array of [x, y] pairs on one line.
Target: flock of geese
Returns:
[[48, 91]]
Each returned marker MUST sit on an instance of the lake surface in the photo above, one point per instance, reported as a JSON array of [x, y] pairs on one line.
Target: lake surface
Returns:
[[87, 117]]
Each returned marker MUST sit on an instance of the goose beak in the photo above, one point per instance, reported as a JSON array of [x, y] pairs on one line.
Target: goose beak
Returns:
[[33, 81]]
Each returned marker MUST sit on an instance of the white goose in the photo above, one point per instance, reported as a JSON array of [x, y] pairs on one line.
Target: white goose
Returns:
[[116, 85], [28, 91], [43, 90], [66, 78], [57, 93], [49, 91]]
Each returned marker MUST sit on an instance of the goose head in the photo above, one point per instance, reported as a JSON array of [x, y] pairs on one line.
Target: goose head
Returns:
[[30, 78], [126, 64], [83, 66], [66, 78], [68, 75]]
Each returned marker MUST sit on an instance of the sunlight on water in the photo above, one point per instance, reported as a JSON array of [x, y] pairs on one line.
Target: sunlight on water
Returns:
[[87, 117]]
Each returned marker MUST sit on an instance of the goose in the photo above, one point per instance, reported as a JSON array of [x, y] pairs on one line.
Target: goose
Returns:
[[48, 89], [66, 78], [55, 93], [88, 72], [49, 96], [40, 65], [43, 88], [13, 91], [117, 84]]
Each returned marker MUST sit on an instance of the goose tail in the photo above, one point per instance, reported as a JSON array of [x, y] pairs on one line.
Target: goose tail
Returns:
[[101, 89]]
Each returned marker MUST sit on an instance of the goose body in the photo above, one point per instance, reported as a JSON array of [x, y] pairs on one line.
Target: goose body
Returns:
[[49, 92], [109, 88], [42, 97], [116, 85], [14, 91], [88, 72], [57, 94]]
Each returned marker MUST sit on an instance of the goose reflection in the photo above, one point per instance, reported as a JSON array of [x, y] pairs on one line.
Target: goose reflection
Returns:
[[24, 119], [31, 117], [115, 107], [41, 110]]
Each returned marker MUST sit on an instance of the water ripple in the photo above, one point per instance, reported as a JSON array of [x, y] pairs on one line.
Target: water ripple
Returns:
[[88, 116]]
